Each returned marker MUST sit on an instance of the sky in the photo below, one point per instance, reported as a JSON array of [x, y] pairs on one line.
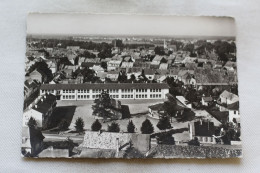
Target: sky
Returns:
[[108, 24]]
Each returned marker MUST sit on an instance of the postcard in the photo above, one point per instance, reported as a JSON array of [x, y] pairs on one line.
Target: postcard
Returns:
[[130, 86]]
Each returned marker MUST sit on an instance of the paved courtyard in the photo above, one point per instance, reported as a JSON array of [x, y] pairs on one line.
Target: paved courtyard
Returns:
[[138, 110]]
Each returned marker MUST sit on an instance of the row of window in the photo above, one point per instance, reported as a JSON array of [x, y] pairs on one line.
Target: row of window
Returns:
[[83, 91], [83, 96], [205, 139], [47, 91], [155, 96], [155, 90], [113, 91], [141, 96], [95, 96], [141, 90], [127, 90], [68, 91], [127, 96], [68, 97], [97, 91], [114, 96]]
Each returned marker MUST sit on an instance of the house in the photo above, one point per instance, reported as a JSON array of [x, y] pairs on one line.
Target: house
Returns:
[[111, 142], [183, 101], [38, 75], [149, 73], [233, 113], [89, 65], [80, 78], [113, 75], [179, 59], [30, 87], [227, 98], [113, 64], [157, 60], [68, 73], [163, 66], [232, 110], [205, 101], [203, 130], [230, 66], [102, 76], [40, 109], [98, 68], [74, 48], [126, 65]]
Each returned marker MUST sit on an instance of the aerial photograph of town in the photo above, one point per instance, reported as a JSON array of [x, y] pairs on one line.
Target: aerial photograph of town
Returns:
[[131, 96]]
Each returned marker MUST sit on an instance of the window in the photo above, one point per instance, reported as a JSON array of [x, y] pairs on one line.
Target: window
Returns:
[[136, 96], [78, 96], [63, 97], [235, 112], [85, 96]]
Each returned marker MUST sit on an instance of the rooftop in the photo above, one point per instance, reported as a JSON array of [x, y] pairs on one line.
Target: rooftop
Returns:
[[105, 86]]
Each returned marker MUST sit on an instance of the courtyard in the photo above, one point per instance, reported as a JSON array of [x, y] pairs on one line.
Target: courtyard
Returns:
[[138, 110]]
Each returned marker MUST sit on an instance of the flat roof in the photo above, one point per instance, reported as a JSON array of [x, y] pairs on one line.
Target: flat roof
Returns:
[[105, 86]]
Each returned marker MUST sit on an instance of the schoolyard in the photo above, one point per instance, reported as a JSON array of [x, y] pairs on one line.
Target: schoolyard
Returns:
[[138, 110]]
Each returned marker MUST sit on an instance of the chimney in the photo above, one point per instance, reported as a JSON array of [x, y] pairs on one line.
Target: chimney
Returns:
[[36, 106], [117, 147]]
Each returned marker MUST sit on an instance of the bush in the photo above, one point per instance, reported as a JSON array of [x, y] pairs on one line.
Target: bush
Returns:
[[130, 127], [96, 126], [194, 142], [114, 127], [164, 123], [147, 127], [79, 125], [32, 123]]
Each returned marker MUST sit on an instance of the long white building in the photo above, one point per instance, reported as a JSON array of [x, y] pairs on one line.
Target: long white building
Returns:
[[88, 91]]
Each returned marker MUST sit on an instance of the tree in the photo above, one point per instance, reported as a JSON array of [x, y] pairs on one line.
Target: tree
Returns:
[[114, 127], [32, 123], [102, 106], [147, 127], [194, 142], [79, 125], [104, 65], [132, 77], [122, 77], [96, 126], [159, 50], [130, 127], [170, 108], [63, 125], [164, 123]]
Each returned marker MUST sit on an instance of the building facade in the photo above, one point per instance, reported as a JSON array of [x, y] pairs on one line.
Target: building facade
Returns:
[[88, 91]]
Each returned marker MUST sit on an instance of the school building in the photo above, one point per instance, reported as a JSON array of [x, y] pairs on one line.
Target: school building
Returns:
[[87, 91]]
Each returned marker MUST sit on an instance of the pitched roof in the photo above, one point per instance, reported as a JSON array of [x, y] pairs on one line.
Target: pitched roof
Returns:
[[163, 66], [105, 86], [207, 99], [229, 96], [44, 105], [233, 106], [204, 128]]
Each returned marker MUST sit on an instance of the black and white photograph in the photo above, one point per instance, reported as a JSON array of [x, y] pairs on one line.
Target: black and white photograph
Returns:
[[130, 86]]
